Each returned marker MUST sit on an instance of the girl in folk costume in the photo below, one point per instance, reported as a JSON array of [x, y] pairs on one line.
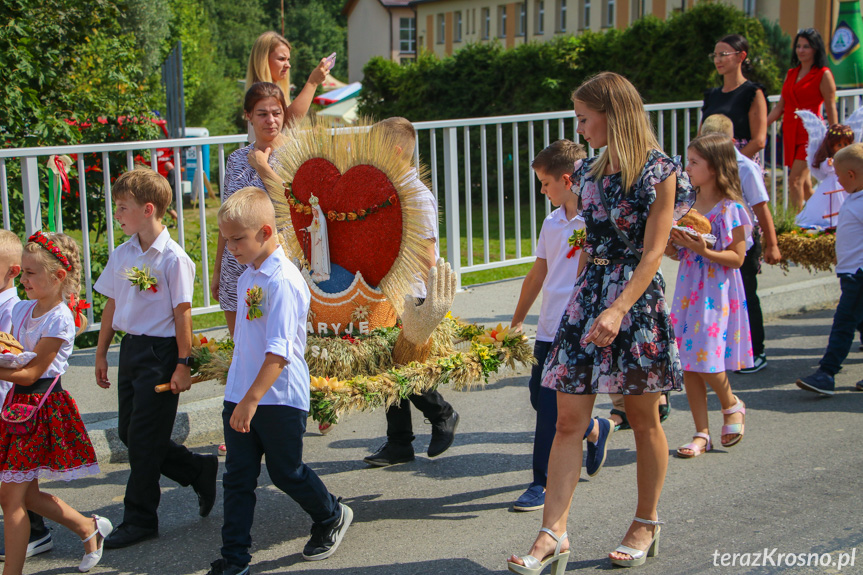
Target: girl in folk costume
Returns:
[[53, 444], [822, 209], [709, 310]]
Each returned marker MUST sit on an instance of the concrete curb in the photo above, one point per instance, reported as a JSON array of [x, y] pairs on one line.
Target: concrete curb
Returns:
[[200, 422]]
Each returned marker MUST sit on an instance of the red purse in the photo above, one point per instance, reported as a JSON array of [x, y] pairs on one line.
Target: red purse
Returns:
[[19, 417]]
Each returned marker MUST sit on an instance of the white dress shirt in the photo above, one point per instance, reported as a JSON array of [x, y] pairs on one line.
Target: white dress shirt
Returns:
[[281, 330], [144, 312], [849, 233], [8, 299], [751, 181], [553, 247]]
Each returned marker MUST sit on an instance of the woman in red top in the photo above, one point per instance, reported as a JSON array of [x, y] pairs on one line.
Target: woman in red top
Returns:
[[808, 85]]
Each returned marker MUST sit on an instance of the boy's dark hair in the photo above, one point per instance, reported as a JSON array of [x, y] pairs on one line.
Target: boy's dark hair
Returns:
[[558, 158], [146, 187], [401, 131]]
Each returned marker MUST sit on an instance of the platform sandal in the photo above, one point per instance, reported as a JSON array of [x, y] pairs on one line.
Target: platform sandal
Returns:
[[624, 423], [734, 428], [694, 447], [639, 556], [533, 566]]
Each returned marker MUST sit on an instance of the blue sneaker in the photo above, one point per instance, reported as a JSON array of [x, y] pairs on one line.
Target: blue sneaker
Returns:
[[596, 452], [531, 500], [819, 382]]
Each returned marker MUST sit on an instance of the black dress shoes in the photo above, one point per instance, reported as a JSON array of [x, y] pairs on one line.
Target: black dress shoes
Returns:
[[127, 534], [205, 485], [391, 454], [443, 434]]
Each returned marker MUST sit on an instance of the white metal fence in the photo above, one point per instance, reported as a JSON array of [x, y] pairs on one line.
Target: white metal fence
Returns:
[[481, 166]]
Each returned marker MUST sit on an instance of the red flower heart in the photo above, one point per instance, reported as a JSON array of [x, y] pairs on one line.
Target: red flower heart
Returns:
[[368, 246]]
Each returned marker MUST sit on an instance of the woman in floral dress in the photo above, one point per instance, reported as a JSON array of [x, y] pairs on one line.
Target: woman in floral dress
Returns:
[[615, 335]]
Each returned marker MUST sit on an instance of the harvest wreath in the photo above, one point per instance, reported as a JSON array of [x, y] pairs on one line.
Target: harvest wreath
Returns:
[[357, 372], [814, 251]]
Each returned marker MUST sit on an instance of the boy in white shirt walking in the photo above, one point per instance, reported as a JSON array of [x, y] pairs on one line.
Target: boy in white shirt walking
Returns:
[[848, 318], [554, 272], [149, 281], [267, 392]]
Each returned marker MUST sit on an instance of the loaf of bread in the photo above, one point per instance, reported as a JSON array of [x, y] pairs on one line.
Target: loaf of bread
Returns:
[[695, 221], [8, 344]]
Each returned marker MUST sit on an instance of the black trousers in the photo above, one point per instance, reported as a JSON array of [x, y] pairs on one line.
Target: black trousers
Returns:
[[277, 432], [432, 405], [146, 420], [749, 272]]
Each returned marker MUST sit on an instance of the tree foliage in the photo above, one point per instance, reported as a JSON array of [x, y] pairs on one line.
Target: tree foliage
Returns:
[[665, 60]]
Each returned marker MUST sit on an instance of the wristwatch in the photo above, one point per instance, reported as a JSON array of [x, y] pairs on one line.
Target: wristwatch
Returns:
[[184, 360]]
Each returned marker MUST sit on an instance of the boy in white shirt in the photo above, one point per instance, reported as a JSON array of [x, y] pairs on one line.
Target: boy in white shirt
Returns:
[[554, 272], [10, 266], [149, 281], [267, 392], [764, 240], [848, 318], [443, 418]]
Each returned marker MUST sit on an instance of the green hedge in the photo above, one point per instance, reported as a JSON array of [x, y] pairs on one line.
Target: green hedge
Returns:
[[666, 60]]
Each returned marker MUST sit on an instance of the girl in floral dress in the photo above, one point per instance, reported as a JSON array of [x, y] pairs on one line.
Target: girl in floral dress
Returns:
[[709, 310], [615, 335], [57, 447]]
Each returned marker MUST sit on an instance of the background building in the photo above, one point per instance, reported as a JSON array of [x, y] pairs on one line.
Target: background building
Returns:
[[396, 29]]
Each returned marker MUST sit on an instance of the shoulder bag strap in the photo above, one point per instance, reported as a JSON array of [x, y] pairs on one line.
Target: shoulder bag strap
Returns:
[[11, 395], [611, 219]]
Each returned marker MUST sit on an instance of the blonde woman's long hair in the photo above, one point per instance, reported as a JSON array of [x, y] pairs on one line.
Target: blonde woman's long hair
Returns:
[[629, 132], [259, 62], [718, 151]]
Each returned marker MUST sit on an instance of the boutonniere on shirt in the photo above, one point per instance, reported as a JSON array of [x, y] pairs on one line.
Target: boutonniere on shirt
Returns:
[[142, 278], [254, 298], [575, 241]]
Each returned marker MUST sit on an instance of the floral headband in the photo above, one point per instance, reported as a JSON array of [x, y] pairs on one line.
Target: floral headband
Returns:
[[42, 240]]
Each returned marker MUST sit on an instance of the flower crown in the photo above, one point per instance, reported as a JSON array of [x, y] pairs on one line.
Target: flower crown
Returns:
[[840, 130], [42, 240]]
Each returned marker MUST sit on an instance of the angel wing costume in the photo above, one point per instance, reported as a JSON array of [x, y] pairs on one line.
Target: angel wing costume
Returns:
[[822, 209]]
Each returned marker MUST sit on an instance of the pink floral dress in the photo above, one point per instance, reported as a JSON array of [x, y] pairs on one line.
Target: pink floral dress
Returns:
[[709, 310]]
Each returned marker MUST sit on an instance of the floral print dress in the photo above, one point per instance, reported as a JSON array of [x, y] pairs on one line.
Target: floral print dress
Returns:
[[709, 311], [643, 358]]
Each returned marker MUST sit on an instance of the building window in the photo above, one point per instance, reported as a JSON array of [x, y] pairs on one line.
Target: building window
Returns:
[[486, 23], [441, 28], [408, 35], [561, 15], [457, 37], [585, 14], [539, 16], [608, 21], [522, 20], [749, 7], [501, 21]]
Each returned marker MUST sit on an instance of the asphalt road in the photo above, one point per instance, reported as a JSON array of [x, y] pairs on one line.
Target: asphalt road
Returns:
[[792, 485]]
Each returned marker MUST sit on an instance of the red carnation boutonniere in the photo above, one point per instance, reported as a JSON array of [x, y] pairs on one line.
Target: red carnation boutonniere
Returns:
[[142, 278], [254, 298], [575, 241]]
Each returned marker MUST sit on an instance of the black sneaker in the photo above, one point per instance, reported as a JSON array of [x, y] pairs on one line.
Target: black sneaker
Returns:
[[222, 567], [326, 539], [443, 434], [39, 543], [758, 363], [390, 454]]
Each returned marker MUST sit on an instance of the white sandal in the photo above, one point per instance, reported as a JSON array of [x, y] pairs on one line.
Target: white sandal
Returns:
[[639, 556], [103, 529], [533, 566]]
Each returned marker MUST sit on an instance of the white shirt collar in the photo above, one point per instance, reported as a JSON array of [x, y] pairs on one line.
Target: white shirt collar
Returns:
[[271, 264], [158, 244]]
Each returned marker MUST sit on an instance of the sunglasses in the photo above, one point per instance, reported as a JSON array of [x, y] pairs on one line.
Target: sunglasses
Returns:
[[720, 55]]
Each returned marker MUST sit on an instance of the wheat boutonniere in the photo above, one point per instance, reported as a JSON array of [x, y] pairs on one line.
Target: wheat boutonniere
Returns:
[[254, 298], [142, 278]]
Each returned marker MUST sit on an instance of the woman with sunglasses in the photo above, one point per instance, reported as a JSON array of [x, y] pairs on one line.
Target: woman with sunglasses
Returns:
[[808, 85], [742, 100]]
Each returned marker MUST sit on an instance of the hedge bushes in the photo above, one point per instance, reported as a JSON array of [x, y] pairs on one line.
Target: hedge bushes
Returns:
[[666, 60]]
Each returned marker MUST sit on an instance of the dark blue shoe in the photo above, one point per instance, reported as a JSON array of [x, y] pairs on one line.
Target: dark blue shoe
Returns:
[[531, 500], [860, 385], [596, 452], [222, 567], [819, 382]]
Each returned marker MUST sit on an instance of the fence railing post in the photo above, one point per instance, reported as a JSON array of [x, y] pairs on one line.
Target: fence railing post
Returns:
[[453, 217], [30, 188]]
